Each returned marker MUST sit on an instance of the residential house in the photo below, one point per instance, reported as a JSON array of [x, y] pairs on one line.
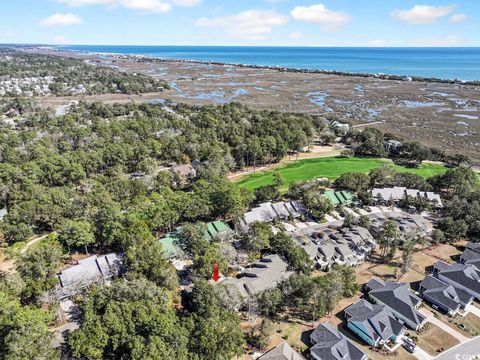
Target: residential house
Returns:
[[281, 352], [262, 275], [330, 344], [471, 255], [344, 247], [216, 230], [267, 212], [186, 170], [88, 271], [393, 146], [219, 230], [407, 224], [171, 247], [339, 197], [361, 239], [399, 299], [443, 296], [398, 193], [373, 323], [462, 276]]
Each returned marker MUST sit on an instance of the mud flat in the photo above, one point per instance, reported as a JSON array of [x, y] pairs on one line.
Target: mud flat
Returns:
[[435, 113]]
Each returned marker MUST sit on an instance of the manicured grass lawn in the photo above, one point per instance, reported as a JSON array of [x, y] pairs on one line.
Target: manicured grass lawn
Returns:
[[329, 167]]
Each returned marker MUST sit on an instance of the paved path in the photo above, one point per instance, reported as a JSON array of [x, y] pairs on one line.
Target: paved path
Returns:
[[430, 318], [474, 310], [32, 242], [467, 351]]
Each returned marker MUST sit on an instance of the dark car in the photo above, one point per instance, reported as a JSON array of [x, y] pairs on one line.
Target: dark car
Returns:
[[408, 347], [409, 341]]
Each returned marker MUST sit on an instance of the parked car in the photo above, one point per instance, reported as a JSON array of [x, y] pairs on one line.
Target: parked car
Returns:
[[408, 347], [409, 341]]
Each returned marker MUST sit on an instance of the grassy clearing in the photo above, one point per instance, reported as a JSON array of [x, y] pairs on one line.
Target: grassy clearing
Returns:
[[330, 167]]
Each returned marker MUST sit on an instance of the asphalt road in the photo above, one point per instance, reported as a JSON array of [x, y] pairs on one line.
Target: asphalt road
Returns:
[[467, 351]]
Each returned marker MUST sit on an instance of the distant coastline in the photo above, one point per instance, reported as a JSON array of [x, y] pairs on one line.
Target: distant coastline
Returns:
[[269, 67]]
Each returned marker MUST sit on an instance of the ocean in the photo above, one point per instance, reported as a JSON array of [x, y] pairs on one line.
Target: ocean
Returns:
[[441, 63]]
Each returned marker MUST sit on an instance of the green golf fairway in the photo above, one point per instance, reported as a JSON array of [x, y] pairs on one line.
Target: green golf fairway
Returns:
[[332, 168]]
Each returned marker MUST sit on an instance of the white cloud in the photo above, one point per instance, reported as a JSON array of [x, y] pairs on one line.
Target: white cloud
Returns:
[[187, 3], [295, 35], [423, 14], [59, 19], [248, 25], [329, 20], [77, 3], [448, 40], [376, 42], [60, 39], [9, 33], [155, 6], [457, 18]]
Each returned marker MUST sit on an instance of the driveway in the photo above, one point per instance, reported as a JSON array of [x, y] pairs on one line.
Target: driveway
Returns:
[[473, 309], [421, 354], [467, 351], [432, 319]]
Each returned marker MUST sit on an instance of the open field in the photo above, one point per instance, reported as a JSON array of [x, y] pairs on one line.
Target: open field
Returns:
[[329, 167], [423, 259], [433, 338]]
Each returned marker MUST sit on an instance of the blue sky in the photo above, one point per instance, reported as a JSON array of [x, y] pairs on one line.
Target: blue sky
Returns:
[[242, 22]]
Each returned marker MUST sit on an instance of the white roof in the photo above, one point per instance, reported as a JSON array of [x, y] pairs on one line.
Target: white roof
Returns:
[[280, 209], [413, 193], [89, 270]]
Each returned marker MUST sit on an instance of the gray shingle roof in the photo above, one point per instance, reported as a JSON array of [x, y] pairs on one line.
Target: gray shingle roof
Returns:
[[88, 271], [281, 352], [266, 212], [375, 320], [471, 255], [330, 344], [466, 275], [444, 294], [397, 296], [262, 275]]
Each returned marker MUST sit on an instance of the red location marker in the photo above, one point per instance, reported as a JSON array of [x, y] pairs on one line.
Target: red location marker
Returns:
[[216, 272]]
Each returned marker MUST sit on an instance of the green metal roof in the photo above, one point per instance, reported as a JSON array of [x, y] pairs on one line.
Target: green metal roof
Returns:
[[211, 230], [339, 197], [330, 195], [169, 245], [221, 226]]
